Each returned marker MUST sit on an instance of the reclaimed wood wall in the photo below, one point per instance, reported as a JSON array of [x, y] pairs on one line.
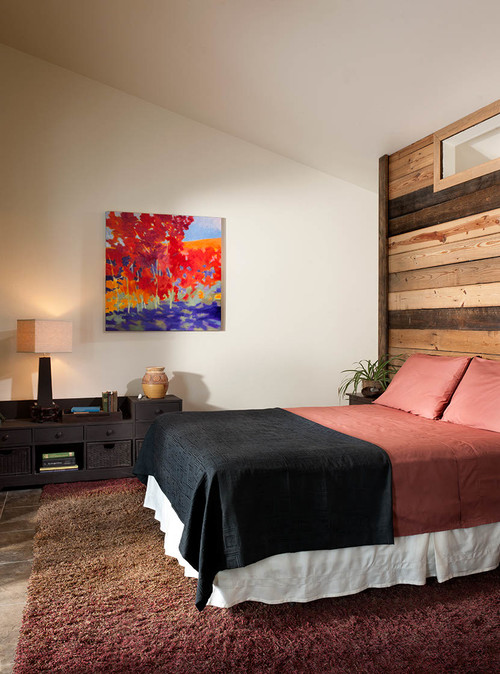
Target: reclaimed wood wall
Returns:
[[440, 265]]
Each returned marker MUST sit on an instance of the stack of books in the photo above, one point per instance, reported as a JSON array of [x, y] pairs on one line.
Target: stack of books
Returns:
[[110, 401], [57, 461]]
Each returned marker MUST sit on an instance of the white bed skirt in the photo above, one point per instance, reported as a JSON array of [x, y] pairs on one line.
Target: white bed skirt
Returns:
[[306, 576]]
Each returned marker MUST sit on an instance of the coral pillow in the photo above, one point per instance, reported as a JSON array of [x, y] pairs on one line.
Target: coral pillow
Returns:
[[424, 384], [476, 402]]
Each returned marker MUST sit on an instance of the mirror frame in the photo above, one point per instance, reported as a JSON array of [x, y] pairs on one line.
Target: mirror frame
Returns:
[[448, 131]]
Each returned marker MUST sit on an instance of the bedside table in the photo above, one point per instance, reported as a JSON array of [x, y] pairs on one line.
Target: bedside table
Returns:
[[145, 410], [358, 399]]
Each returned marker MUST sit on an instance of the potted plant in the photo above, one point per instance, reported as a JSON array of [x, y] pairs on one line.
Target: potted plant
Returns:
[[373, 376]]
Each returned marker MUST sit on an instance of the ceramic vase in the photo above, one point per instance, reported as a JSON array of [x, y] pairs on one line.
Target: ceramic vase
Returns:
[[155, 382]]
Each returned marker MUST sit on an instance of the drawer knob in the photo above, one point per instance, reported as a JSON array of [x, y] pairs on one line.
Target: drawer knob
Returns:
[[58, 435], [5, 437], [158, 411], [110, 431]]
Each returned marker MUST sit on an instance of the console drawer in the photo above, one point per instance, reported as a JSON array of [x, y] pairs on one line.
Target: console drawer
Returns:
[[62, 434], [110, 432], [19, 436], [147, 411]]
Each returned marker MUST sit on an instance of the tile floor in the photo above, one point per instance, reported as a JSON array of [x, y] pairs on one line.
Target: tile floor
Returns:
[[17, 527]]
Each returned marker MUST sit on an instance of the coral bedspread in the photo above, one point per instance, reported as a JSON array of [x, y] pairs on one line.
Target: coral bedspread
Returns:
[[445, 476]]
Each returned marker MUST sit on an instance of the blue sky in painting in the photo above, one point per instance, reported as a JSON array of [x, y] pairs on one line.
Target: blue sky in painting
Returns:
[[203, 228]]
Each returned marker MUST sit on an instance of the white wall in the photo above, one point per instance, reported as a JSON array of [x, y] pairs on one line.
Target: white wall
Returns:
[[301, 247]]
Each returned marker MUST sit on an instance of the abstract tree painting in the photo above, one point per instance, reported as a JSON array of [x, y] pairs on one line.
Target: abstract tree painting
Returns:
[[163, 272]]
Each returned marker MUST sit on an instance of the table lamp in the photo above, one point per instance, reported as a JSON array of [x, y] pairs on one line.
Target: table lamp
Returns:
[[46, 337]]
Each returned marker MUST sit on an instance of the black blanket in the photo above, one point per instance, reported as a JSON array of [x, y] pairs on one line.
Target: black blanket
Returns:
[[249, 484]]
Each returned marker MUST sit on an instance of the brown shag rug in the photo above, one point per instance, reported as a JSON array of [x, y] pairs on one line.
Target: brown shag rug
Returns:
[[104, 598]]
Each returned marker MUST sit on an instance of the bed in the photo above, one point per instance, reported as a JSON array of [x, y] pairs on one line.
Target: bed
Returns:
[[367, 496]]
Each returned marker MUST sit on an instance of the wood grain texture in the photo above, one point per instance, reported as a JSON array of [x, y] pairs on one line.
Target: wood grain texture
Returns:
[[426, 197], [411, 182], [464, 273], [467, 318], [382, 255], [456, 230], [395, 351], [486, 294], [470, 204], [414, 161], [478, 248], [464, 341], [411, 149], [443, 256]]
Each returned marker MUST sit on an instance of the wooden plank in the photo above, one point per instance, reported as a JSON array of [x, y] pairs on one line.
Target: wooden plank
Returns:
[[395, 351], [409, 163], [477, 248], [466, 318], [482, 294], [464, 341], [456, 230], [426, 197], [383, 200], [411, 149], [470, 204], [411, 182], [464, 273]]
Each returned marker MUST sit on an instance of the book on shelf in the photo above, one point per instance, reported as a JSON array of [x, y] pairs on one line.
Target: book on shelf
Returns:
[[84, 410], [110, 401], [69, 461], [49, 469], [58, 455], [84, 417]]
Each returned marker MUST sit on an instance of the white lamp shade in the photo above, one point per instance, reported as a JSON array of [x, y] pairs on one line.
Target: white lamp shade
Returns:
[[37, 336]]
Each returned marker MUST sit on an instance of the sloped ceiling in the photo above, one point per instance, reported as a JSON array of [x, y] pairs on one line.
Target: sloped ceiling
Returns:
[[333, 84]]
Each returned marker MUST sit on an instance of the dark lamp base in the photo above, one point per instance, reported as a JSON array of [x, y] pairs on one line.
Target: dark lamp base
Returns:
[[41, 414]]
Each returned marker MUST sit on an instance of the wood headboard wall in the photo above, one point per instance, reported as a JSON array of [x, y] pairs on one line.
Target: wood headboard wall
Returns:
[[439, 284]]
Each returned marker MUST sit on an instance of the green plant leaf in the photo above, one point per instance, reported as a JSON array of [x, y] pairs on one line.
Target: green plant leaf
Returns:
[[381, 370]]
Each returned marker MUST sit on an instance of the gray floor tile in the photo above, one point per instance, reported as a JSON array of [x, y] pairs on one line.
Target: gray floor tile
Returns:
[[18, 518], [9, 634], [23, 497], [14, 578], [18, 510], [16, 546]]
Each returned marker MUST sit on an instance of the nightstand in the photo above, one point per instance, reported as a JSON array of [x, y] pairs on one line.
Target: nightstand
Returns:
[[145, 410], [358, 399]]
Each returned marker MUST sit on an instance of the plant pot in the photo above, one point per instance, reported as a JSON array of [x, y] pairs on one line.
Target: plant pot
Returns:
[[371, 389], [155, 382]]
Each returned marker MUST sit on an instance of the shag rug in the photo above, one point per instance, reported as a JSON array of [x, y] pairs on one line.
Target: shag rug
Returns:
[[103, 598]]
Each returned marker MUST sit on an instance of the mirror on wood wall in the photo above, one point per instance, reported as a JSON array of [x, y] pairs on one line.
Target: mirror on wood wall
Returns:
[[468, 148]]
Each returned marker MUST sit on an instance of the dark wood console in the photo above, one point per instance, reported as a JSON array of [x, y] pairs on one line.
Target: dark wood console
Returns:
[[104, 447]]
